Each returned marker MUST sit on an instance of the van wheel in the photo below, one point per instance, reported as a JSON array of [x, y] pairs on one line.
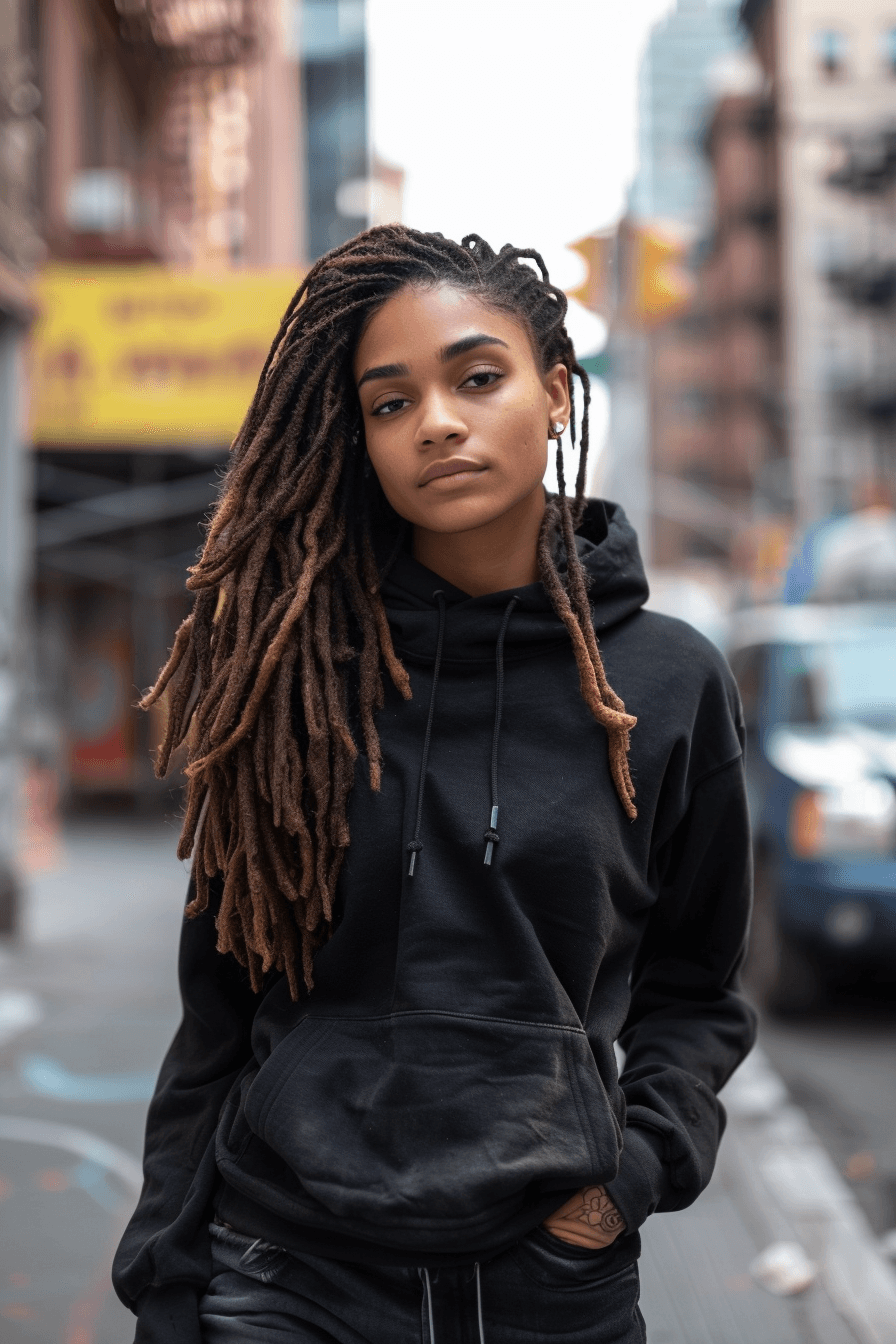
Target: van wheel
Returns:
[[780, 971]]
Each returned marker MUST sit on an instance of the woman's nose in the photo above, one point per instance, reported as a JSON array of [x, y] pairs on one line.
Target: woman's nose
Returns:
[[440, 421]]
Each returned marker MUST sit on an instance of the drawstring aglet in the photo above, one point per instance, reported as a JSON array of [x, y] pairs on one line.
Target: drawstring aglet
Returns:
[[414, 847], [491, 837]]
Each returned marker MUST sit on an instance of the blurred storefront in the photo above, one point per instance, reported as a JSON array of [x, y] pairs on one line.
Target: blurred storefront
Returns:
[[141, 375], [181, 204]]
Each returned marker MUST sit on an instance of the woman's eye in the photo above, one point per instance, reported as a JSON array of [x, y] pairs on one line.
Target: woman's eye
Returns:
[[483, 378], [389, 407]]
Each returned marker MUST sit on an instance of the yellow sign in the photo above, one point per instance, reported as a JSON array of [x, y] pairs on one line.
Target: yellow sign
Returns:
[[140, 355]]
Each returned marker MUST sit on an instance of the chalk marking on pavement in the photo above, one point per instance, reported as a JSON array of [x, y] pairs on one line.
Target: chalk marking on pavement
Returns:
[[48, 1078], [19, 1011], [776, 1144], [45, 1133]]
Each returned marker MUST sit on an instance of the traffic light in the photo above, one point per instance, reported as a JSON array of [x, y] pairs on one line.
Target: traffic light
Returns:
[[595, 291], [652, 285], [660, 287]]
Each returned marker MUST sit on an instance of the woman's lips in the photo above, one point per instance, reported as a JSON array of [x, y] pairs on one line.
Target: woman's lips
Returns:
[[453, 466]]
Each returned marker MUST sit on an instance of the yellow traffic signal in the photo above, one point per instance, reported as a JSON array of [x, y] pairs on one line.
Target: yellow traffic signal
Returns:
[[595, 292], [661, 287]]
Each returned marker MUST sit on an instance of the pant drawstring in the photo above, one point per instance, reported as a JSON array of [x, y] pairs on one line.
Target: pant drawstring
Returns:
[[479, 1305], [424, 1274]]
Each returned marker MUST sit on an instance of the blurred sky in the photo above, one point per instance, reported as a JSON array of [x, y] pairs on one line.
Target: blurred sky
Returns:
[[515, 119]]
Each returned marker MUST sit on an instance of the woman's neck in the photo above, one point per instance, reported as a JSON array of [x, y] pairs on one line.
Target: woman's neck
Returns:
[[499, 555]]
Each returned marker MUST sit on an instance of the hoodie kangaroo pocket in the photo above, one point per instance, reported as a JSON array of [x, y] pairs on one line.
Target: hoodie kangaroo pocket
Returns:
[[429, 1119]]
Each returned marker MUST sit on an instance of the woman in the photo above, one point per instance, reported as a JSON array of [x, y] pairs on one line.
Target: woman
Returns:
[[434, 880]]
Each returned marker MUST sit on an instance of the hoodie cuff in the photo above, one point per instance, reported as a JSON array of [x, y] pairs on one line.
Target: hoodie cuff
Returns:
[[169, 1315], [641, 1181]]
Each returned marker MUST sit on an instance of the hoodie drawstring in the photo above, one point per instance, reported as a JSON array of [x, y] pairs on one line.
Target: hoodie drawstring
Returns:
[[491, 836], [427, 1290], [414, 846]]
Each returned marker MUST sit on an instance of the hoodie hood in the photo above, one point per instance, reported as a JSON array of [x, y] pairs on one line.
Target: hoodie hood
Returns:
[[608, 548]]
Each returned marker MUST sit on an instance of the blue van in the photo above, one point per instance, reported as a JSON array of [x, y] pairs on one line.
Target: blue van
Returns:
[[818, 684]]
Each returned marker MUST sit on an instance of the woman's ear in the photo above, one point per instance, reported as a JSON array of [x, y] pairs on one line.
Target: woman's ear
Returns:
[[556, 385]]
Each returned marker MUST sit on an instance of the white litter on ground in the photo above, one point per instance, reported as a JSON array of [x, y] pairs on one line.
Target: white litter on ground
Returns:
[[784, 1269], [19, 1010]]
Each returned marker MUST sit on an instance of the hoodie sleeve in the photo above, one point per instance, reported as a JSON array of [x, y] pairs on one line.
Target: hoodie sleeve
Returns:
[[687, 1028], [163, 1263]]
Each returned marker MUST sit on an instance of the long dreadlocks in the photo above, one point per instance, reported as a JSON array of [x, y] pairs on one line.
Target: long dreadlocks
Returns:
[[262, 671]]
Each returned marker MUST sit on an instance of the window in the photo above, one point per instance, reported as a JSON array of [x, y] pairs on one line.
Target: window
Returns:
[[830, 51]]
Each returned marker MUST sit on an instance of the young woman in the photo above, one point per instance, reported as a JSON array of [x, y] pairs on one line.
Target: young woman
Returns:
[[438, 870]]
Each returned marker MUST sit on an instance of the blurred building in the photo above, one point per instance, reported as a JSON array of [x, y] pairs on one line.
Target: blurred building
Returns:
[[834, 71], [195, 158], [766, 401], [686, 52], [334, 80], [20, 249], [718, 440], [656, 363]]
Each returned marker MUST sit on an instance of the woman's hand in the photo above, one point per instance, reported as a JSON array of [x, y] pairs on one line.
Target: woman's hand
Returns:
[[589, 1219]]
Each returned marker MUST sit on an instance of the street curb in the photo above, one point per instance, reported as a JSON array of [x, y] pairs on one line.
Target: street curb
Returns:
[[799, 1195]]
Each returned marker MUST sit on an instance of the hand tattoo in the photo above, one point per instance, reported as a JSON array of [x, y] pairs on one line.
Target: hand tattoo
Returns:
[[596, 1208], [589, 1219]]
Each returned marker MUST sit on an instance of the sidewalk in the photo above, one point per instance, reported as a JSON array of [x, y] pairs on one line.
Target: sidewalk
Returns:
[[774, 1182]]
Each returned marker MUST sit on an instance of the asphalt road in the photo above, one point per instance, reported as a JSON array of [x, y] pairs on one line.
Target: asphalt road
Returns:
[[88, 1003], [840, 1066]]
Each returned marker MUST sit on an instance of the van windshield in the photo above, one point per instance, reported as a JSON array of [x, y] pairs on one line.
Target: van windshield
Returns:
[[852, 681]]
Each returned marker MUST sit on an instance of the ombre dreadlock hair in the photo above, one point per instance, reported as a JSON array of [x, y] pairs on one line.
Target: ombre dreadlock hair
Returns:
[[263, 671]]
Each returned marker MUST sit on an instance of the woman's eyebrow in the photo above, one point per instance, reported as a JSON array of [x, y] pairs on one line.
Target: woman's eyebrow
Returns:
[[467, 343], [383, 371], [446, 354]]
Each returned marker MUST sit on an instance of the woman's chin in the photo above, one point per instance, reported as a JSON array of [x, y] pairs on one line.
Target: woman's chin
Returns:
[[461, 515], [469, 508]]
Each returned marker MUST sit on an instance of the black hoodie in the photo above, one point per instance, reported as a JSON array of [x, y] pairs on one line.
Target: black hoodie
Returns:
[[451, 1079]]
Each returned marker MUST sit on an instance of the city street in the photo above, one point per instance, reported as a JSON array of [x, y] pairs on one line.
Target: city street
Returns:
[[88, 1002], [221, 227]]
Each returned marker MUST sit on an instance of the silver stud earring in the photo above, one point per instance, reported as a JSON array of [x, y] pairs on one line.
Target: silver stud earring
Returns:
[[558, 428]]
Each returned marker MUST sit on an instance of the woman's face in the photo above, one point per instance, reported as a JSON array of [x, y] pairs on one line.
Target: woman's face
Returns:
[[456, 410]]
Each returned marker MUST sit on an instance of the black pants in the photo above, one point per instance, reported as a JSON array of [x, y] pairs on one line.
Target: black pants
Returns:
[[540, 1289]]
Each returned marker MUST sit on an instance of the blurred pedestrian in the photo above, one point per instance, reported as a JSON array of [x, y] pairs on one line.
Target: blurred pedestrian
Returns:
[[438, 872]]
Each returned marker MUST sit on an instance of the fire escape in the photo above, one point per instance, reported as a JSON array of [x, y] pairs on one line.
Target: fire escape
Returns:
[[117, 526], [864, 391]]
